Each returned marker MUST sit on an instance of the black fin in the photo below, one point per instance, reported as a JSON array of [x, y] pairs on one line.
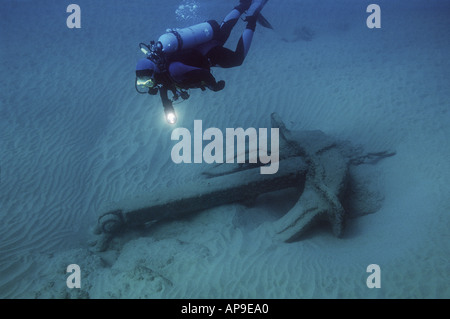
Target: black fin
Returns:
[[263, 21]]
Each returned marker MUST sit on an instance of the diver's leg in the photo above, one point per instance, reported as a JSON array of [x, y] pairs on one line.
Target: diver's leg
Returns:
[[243, 5], [246, 39], [253, 13], [226, 26], [225, 57], [231, 19]]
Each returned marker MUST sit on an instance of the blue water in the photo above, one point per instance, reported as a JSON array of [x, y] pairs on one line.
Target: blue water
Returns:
[[75, 135]]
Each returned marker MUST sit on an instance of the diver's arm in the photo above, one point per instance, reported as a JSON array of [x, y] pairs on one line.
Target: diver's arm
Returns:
[[200, 76], [194, 77], [167, 103], [168, 106], [203, 77]]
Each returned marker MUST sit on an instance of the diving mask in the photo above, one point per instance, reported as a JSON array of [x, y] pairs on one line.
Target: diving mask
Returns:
[[144, 83]]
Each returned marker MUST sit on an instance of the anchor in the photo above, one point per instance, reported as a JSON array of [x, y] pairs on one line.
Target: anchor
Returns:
[[314, 163]]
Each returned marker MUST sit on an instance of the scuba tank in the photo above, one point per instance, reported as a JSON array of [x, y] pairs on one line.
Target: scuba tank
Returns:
[[176, 40]]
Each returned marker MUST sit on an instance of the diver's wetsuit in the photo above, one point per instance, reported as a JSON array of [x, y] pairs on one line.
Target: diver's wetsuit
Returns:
[[191, 69]]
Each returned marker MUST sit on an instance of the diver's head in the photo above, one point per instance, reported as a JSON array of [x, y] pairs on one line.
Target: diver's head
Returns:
[[145, 75]]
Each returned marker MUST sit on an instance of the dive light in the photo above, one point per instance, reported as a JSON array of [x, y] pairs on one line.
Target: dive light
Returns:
[[171, 117]]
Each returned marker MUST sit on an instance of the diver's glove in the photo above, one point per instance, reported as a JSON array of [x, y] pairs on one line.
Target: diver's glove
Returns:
[[153, 91], [184, 95], [218, 86]]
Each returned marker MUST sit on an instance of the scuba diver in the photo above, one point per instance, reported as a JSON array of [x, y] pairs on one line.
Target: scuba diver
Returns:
[[181, 59]]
